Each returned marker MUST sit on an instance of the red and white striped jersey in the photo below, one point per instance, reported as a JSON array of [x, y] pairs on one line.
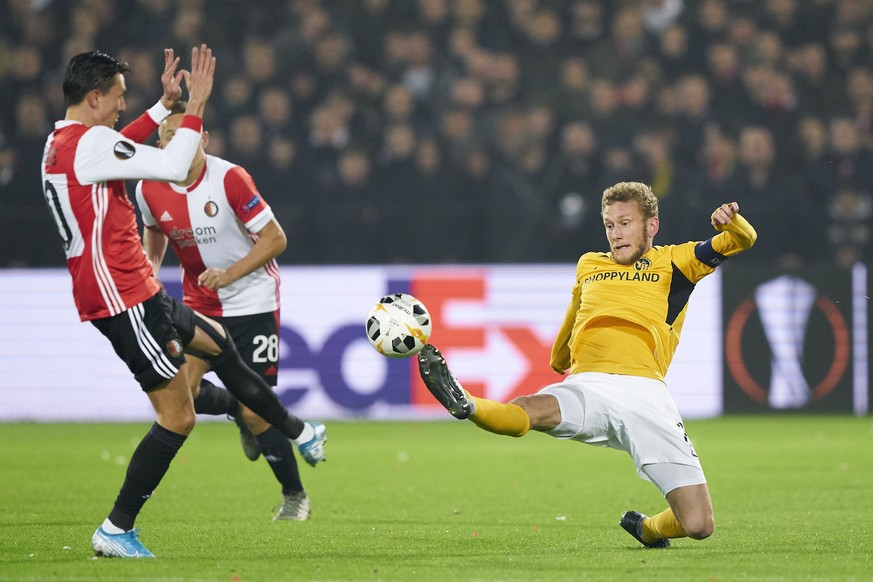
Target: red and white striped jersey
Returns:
[[83, 172], [214, 223]]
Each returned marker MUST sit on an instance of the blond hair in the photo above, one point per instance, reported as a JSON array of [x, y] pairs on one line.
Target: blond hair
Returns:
[[625, 191]]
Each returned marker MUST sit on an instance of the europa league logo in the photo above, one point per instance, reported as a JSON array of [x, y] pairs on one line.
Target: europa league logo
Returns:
[[784, 306]]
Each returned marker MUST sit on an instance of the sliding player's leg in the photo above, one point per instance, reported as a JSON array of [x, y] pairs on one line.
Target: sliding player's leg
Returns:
[[539, 412]]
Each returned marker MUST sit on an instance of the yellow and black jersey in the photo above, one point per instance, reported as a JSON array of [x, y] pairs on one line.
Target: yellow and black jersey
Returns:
[[626, 319]]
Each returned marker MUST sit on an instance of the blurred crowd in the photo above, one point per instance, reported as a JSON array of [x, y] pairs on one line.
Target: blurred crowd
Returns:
[[406, 131]]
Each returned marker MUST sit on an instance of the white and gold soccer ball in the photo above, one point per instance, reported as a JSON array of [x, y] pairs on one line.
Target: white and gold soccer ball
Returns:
[[398, 326]]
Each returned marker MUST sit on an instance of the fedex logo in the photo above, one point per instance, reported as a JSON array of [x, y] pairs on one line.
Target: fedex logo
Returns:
[[490, 355], [495, 326]]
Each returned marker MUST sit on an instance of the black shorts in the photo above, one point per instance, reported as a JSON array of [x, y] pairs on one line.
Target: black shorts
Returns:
[[150, 337], [257, 339]]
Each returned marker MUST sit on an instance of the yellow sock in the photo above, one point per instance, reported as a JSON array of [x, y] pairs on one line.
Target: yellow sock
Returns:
[[663, 525], [506, 419]]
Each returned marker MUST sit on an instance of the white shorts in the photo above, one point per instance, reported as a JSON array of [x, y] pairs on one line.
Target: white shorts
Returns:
[[632, 414]]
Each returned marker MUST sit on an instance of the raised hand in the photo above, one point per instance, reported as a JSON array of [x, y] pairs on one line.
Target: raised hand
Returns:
[[199, 80], [170, 79], [724, 214]]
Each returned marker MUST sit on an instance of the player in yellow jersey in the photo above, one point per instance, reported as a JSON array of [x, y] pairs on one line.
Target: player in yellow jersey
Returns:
[[617, 340]]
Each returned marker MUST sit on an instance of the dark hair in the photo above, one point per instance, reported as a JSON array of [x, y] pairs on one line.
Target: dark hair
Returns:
[[178, 108], [89, 71]]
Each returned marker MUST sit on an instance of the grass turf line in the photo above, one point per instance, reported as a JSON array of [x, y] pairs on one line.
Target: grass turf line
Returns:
[[440, 501]]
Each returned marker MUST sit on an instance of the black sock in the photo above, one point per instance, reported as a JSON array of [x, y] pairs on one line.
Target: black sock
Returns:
[[215, 400], [279, 454], [147, 467], [254, 392]]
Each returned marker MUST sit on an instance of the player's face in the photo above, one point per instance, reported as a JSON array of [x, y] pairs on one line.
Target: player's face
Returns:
[[629, 233], [168, 129], [112, 103]]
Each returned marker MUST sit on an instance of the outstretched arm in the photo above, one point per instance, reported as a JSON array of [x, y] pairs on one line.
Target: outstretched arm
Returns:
[[102, 154]]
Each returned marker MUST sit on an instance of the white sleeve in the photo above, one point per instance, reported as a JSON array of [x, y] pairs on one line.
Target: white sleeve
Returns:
[[158, 112], [257, 223], [148, 218], [104, 154]]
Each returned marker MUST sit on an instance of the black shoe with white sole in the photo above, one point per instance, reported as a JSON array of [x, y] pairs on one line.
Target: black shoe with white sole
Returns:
[[632, 523], [439, 380]]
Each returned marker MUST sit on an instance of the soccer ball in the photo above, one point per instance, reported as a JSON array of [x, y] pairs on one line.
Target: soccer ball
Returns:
[[398, 326]]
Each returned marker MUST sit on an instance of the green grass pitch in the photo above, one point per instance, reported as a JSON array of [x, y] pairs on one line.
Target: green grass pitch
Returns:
[[440, 501]]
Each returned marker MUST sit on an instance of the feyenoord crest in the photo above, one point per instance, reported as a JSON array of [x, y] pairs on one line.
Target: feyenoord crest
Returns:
[[642, 264], [210, 208], [174, 346]]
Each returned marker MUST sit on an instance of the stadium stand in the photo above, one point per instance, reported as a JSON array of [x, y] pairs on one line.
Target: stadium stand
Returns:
[[404, 131]]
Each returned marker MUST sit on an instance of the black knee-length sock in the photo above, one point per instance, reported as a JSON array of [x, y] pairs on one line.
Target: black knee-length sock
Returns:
[[277, 451], [147, 467]]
